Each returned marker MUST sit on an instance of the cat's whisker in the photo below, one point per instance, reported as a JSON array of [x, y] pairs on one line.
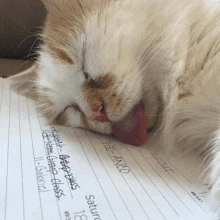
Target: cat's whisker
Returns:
[[39, 106], [34, 35], [25, 62], [143, 57], [32, 54], [145, 50], [35, 53], [32, 46], [156, 52], [17, 21], [147, 65], [158, 46]]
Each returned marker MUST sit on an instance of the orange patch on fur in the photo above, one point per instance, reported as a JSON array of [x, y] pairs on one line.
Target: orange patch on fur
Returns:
[[61, 55], [184, 95], [100, 91], [113, 102], [64, 21]]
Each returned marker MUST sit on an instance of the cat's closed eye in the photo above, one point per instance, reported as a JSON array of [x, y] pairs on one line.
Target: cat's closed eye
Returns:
[[86, 75]]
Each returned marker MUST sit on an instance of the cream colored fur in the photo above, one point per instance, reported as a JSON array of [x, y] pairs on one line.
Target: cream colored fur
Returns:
[[165, 53]]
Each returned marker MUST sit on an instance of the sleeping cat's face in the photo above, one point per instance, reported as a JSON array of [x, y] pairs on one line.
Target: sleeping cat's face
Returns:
[[89, 72], [100, 58], [88, 65]]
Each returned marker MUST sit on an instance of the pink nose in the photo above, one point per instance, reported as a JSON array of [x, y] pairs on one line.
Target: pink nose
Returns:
[[95, 115], [99, 115]]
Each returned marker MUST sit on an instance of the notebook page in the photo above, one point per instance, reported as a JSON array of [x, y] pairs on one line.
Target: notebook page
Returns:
[[53, 172]]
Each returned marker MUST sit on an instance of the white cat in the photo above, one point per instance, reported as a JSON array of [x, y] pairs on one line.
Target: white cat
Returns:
[[109, 55]]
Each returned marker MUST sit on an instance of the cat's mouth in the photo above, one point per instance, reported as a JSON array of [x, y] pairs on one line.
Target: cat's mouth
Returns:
[[131, 129]]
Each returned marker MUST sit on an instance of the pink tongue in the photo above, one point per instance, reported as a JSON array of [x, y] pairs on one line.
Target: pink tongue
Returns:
[[132, 129]]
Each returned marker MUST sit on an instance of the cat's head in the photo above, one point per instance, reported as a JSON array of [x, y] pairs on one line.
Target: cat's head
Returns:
[[88, 62]]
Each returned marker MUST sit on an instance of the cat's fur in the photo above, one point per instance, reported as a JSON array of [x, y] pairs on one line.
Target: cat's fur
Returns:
[[120, 52]]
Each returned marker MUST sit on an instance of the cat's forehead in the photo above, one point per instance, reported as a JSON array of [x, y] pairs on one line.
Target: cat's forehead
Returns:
[[100, 55], [104, 49], [96, 42]]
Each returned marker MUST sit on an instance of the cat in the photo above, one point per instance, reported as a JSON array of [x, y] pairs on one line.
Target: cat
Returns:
[[106, 56]]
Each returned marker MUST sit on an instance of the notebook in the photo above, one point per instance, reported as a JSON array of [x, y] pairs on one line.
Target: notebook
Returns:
[[50, 172]]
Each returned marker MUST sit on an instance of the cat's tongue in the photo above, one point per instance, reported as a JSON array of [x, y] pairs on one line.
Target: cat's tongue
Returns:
[[132, 129]]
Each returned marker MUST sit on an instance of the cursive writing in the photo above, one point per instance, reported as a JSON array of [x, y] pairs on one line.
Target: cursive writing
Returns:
[[55, 182], [67, 172], [57, 139]]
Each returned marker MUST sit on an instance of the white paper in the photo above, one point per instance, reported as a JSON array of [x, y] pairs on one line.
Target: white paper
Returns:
[[53, 172]]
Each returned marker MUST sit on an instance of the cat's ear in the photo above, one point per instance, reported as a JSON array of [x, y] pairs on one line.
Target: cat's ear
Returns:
[[78, 4], [24, 82], [48, 3]]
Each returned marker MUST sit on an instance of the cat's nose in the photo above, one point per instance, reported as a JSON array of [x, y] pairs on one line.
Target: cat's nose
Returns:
[[99, 114], [96, 112]]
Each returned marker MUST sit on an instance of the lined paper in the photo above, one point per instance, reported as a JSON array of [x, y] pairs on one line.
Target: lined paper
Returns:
[[51, 172]]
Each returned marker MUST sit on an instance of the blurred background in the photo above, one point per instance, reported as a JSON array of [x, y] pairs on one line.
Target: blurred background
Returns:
[[20, 21]]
